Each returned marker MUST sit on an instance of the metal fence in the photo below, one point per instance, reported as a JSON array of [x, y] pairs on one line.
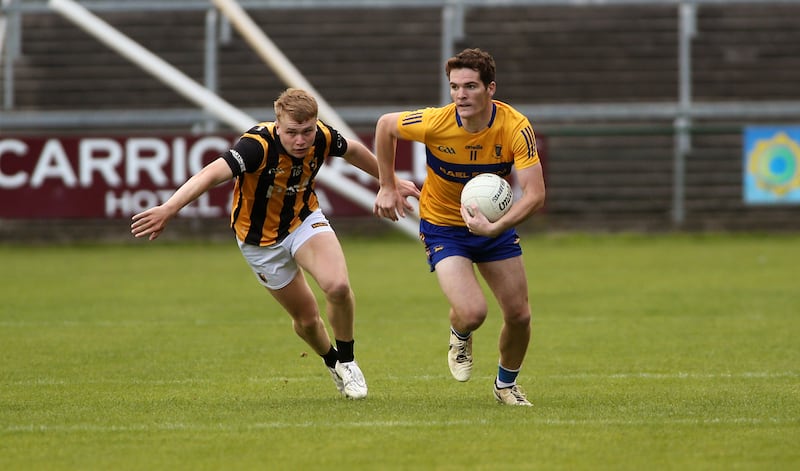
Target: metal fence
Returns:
[[685, 116]]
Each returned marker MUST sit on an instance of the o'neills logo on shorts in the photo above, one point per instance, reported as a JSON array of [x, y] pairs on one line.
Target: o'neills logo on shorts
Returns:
[[319, 224]]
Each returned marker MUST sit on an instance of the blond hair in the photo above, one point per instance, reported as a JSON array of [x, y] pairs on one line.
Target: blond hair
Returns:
[[296, 104]]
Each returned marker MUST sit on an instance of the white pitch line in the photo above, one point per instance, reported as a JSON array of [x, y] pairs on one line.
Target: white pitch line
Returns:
[[141, 323], [314, 378], [160, 322], [680, 375], [389, 424]]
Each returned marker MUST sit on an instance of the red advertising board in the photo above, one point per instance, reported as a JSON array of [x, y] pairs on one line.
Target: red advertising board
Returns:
[[108, 177], [118, 176]]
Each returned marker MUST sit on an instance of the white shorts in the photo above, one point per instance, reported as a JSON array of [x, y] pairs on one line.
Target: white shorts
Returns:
[[274, 265]]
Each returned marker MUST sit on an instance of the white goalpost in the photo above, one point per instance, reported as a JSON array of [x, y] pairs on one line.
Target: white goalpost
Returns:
[[213, 103]]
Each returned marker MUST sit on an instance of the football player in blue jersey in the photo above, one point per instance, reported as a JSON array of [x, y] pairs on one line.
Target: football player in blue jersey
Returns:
[[474, 134]]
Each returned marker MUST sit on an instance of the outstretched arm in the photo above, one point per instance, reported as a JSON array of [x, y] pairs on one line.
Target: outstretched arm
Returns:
[[152, 221], [358, 155], [390, 202]]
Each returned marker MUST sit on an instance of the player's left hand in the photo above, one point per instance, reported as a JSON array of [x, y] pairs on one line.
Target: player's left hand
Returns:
[[150, 223], [391, 203], [476, 222], [407, 188]]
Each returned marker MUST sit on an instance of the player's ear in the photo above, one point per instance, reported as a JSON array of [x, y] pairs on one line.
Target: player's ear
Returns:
[[491, 88]]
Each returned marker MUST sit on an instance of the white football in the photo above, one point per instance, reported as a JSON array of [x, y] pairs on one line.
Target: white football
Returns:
[[490, 193]]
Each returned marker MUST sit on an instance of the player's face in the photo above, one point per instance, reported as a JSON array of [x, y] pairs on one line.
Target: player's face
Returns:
[[295, 137], [471, 96]]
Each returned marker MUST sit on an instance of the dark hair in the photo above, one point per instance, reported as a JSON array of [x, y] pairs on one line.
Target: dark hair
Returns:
[[474, 59]]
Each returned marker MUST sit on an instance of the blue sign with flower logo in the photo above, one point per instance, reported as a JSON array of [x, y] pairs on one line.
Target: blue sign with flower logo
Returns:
[[772, 165]]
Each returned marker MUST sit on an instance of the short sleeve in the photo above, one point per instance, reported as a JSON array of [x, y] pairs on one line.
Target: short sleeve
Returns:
[[338, 143], [526, 153], [245, 156]]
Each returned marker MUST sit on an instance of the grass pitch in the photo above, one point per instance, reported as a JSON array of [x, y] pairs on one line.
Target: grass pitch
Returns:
[[648, 352]]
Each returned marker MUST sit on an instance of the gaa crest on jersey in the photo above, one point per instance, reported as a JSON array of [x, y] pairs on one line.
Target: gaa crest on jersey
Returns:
[[446, 149], [498, 151]]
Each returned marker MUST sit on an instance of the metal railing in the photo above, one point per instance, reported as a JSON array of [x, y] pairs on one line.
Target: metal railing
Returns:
[[682, 112]]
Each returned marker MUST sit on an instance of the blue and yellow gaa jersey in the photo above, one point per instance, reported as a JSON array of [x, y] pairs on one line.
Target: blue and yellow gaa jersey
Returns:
[[455, 155]]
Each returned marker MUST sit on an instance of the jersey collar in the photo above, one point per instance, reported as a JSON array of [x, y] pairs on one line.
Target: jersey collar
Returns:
[[491, 120]]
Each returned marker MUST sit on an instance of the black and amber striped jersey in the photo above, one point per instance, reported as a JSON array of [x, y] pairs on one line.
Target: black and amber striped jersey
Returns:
[[274, 191]]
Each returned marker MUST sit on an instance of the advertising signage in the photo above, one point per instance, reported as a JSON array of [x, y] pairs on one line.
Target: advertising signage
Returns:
[[109, 177], [772, 165]]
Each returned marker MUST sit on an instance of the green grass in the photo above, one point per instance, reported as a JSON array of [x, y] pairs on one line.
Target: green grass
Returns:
[[649, 352]]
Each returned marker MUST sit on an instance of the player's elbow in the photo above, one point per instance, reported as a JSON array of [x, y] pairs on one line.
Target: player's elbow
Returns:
[[385, 125], [534, 201], [538, 199]]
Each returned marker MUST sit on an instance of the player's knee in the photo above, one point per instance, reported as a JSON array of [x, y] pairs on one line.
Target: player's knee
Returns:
[[338, 292], [474, 317], [518, 319], [306, 324]]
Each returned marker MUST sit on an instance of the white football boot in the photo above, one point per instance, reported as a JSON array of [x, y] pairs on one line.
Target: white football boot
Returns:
[[354, 386], [459, 357], [336, 379], [512, 396]]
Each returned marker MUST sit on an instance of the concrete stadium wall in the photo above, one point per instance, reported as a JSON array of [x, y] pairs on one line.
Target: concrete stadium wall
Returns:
[[600, 176]]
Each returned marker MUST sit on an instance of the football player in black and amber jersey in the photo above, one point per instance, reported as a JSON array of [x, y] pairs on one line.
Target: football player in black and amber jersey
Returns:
[[279, 226], [474, 134]]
